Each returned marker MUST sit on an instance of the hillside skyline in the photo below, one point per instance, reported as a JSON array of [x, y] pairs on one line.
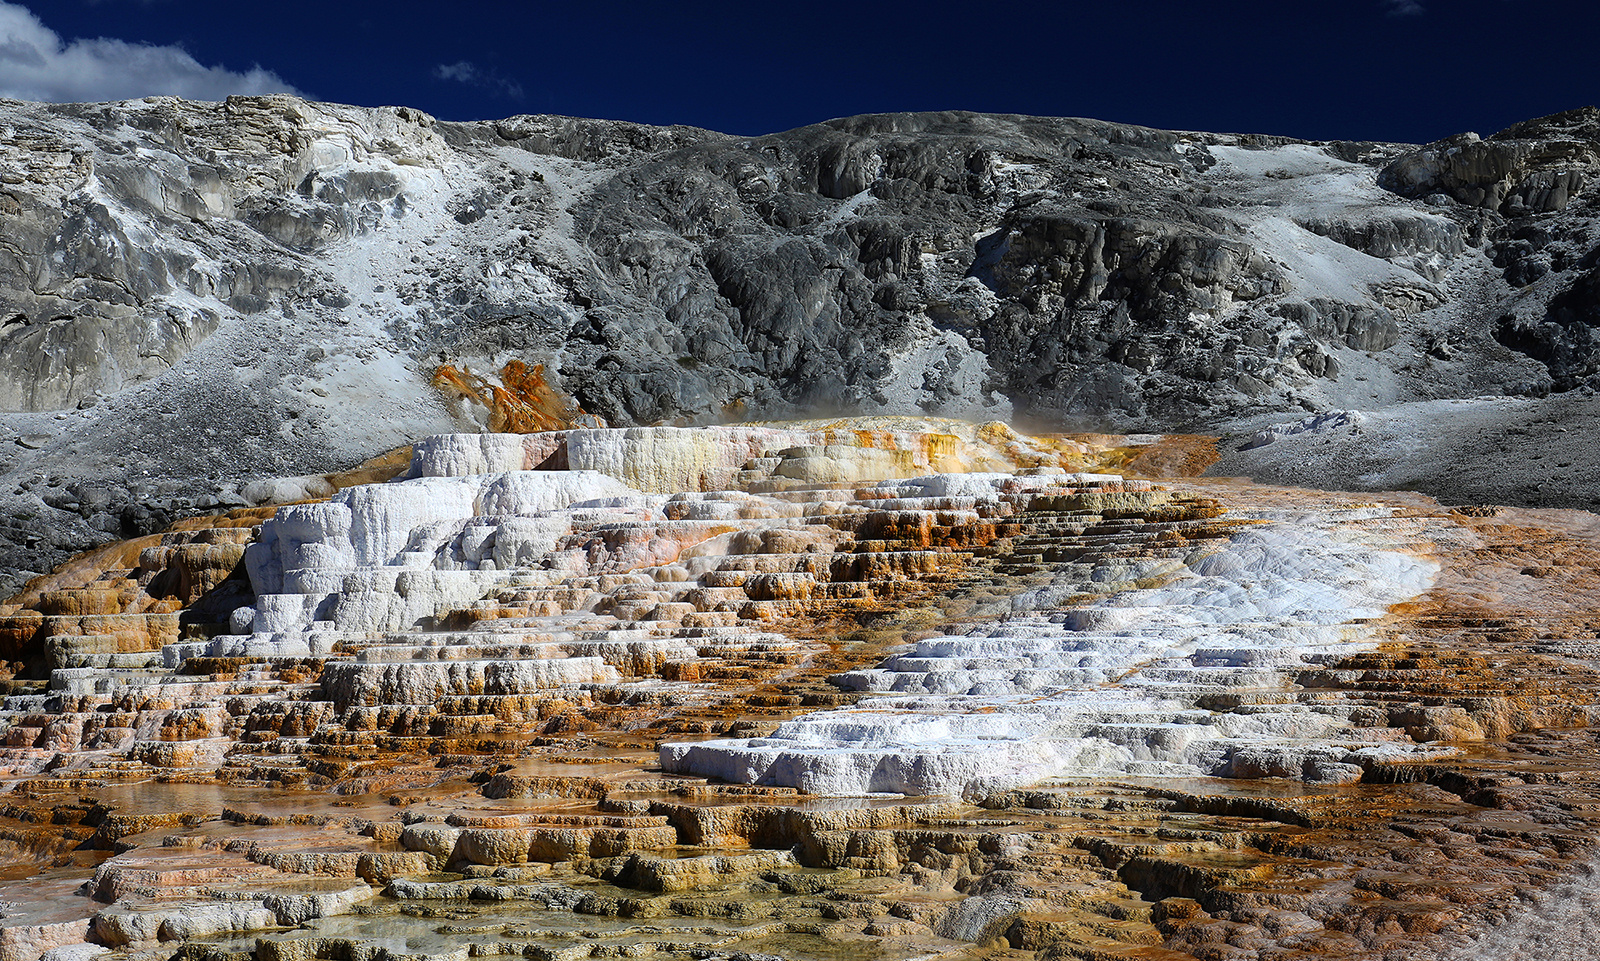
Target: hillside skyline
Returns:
[[1394, 70]]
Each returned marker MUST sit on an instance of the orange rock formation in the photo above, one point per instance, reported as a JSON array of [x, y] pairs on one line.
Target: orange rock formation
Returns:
[[523, 402]]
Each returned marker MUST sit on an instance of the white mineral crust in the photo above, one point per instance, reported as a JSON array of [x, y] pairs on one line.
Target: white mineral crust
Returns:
[[1114, 688], [384, 557], [1110, 689]]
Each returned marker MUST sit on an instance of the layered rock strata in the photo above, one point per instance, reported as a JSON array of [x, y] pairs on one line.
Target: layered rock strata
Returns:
[[1158, 720]]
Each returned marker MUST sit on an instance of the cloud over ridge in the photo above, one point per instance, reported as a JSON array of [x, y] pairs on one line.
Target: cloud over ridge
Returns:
[[467, 72], [36, 63]]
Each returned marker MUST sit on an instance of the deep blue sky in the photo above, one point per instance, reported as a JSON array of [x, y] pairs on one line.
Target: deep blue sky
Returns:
[[1411, 70]]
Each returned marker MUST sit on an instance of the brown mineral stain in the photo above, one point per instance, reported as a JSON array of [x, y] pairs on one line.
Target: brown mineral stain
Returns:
[[129, 592], [523, 402]]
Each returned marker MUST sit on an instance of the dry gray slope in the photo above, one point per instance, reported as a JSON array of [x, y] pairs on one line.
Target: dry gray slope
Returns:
[[196, 294]]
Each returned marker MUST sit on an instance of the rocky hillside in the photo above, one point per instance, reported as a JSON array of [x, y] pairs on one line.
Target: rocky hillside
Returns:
[[196, 296]]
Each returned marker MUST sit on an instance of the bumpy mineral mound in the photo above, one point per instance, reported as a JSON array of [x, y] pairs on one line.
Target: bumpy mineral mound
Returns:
[[885, 688], [195, 295]]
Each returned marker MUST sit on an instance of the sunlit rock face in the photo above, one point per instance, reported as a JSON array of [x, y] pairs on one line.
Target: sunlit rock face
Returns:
[[199, 295], [901, 687]]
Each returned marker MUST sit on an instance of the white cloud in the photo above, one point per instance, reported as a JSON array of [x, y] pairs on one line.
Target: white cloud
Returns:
[[1404, 8], [465, 71], [37, 64]]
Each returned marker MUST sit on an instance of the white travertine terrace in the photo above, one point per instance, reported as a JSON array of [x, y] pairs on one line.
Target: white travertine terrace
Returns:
[[666, 460], [1110, 689], [1118, 687], [475, 507]]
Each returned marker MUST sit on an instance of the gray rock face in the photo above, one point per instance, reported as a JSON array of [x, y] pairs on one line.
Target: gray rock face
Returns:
[[194, 296], [1566, 337], [1532, 167]]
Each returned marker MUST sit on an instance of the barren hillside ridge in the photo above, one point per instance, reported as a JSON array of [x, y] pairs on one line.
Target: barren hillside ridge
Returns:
[[198, 295]]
